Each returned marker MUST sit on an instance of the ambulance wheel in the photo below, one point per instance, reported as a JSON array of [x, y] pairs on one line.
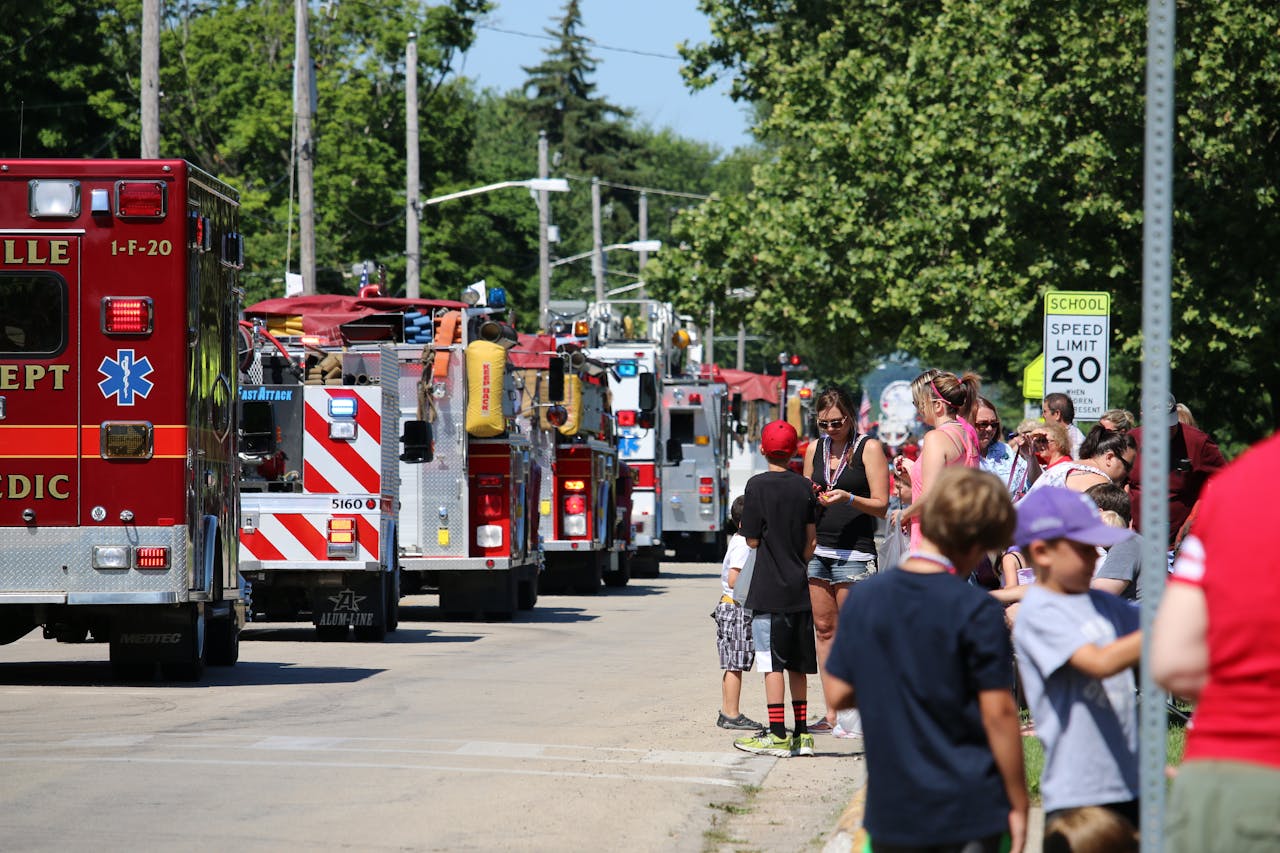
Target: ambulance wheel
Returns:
[[393, 601], [587, 577], [551, 581], [527, 594], [622, 575], [222, 642], [191, 668]]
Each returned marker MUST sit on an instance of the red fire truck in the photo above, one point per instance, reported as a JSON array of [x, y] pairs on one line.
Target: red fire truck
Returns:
[[118, 379], [585, 496], [452, 512]]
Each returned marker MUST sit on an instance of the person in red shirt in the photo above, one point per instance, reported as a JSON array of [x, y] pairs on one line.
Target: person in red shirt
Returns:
[[1216, 640], [1193, 457]]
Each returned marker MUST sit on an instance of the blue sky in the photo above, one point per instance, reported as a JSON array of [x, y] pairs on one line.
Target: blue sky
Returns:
[[649, 85]]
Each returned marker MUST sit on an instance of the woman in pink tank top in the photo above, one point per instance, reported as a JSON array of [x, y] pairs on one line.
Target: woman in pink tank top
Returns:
[[946, 403]]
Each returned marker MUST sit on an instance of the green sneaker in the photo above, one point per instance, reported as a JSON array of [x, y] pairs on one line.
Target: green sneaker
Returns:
[[802, 744], [765, 743]]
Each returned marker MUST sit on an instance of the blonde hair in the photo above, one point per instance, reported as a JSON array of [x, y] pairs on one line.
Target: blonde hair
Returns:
[[960, 393], [1026, 426], [1184, 415], [1058, 433], [967, 507], [1111, 518], [1121, 419], [1092, 829]]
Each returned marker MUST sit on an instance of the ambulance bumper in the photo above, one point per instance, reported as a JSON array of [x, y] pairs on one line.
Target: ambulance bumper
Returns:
[[55, 566], [571, 545], [310, 566]]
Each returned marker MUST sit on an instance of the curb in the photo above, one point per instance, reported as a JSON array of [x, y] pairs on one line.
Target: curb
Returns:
[[849, 836]]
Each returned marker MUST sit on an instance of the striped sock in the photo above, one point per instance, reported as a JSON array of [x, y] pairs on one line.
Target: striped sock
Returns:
[[778, 720], [800, 707]]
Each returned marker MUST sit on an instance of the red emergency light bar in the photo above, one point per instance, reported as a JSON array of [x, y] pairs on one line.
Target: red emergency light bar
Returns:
[[140, 199], [127, 315], [151, 557]]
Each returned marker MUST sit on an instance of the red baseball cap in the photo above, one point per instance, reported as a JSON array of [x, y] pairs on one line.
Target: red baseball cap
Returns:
[[779, 439]]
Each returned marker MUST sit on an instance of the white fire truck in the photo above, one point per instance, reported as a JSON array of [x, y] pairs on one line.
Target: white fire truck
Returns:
[[634, 339], [695, 489], [452, 512], [584, 523], [118, 505]]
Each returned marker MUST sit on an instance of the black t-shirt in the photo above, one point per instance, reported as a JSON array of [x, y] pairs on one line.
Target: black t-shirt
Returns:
[[778, 508], [840, 526], [917, 649]]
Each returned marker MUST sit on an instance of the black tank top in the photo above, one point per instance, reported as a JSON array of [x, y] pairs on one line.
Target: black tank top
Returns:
[[841, 527]]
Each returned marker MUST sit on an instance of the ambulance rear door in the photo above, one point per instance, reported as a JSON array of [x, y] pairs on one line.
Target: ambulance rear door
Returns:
[[39, 375]]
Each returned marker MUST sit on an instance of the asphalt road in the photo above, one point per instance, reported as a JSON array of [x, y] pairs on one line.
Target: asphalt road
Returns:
[[585, 724]]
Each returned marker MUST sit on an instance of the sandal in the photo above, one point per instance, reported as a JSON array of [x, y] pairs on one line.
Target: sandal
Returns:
[[821, 727]]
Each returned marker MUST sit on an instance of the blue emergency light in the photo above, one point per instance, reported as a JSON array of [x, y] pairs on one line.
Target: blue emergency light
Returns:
[[342, 407], [628, 368]]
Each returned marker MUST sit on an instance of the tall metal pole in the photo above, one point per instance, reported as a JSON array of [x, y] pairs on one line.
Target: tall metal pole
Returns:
[[597, 252], [710, 356], [412, 234], [742, 344], [1157, 243], [306, 150], [644, 235], [150, 79], [544, 244]]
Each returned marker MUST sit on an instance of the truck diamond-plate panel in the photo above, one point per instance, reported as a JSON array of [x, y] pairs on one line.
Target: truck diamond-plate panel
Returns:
[[59, 559], [433, 494]]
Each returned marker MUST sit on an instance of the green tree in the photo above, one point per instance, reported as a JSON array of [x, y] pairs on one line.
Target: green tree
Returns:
[[937, 166]]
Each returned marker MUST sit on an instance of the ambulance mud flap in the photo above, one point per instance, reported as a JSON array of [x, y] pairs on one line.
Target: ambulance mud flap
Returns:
[[174, 637], [360, 603]]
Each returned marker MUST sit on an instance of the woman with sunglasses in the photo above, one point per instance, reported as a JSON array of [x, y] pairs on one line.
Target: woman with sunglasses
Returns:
[[1012, 467], [851, 476], [1105, 457]]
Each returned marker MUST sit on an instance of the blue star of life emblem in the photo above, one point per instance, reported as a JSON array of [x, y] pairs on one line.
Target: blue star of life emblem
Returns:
[[126, 377]]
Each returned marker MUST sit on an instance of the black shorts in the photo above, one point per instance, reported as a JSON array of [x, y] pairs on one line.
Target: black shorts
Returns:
[[784, 642]]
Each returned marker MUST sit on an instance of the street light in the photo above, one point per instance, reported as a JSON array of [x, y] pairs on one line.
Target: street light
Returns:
[[546, 185], [633, 246]]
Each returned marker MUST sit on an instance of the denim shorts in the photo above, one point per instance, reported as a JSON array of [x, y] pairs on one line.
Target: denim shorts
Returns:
[[834, 571]]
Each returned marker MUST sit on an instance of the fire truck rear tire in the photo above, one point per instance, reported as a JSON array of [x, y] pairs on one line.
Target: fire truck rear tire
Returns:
[[192, 667], [222, 642], [393, 601], [380, 596], [622, 575], [527, 594], [587, 577]]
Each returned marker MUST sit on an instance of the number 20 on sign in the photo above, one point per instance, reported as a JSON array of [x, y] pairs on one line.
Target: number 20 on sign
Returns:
[[1077, 331]]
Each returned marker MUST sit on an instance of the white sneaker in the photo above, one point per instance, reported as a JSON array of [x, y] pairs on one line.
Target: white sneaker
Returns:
[[848, 724]]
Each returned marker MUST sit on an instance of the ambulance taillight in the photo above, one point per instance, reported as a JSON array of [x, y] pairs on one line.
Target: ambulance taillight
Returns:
[[575, 516], [342, 537], [127, 315], [490, 507]]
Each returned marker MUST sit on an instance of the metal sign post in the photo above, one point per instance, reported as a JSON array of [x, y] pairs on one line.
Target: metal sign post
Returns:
[[1077, 332]]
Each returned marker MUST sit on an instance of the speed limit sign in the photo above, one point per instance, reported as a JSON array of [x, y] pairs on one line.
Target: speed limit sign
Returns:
[[1077, 330]]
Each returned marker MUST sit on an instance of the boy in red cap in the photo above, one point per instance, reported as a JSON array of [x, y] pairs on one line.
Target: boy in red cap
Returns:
[[779, 521]]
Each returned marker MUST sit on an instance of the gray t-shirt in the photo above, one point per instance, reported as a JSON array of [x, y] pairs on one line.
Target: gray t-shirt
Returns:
[[1124, 563], [1089, 727]]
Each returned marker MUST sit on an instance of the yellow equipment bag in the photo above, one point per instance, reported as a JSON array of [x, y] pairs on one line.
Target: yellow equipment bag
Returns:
[[573, 405], [486, 363]]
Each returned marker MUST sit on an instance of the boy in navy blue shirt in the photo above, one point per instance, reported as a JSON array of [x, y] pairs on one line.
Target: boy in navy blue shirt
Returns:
[[926, 658]]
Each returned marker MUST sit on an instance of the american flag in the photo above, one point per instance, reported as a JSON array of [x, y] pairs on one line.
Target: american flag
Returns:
[[864, 414]]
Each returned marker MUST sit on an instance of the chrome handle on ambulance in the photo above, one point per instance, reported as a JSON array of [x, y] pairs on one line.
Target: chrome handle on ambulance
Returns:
[[1, 408], [460, 489]]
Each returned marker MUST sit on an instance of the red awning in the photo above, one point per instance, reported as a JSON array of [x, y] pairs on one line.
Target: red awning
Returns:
[[533, 351], [752, 386], [322, 314]]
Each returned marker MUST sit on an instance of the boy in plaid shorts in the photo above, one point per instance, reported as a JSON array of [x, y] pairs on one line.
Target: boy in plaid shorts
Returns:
[[733, 626]]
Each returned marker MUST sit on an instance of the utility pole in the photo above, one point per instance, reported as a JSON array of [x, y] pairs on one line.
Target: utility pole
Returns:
[[544, 246], [597, 253], [412, 233], [742, 344], [644, 235], [711, 336], [306, 150], [150, 79]]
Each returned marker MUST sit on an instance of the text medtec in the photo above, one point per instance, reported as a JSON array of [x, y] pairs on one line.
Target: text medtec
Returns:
[[265, 394]]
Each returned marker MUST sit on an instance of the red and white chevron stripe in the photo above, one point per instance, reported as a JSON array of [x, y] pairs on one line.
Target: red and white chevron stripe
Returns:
[[298, 536], [335, 466]]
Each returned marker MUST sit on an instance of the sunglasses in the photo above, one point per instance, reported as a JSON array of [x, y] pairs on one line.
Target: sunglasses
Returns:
[[986, 425], [1128, 466], [836, 424]]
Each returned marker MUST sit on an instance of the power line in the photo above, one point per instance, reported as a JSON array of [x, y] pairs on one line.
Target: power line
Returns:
[[587, 39]]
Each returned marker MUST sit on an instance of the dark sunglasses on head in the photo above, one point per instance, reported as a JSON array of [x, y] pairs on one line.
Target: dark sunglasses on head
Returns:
[[835, 424]]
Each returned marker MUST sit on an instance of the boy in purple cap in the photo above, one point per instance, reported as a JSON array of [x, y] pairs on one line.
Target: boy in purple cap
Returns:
[[1076, 648], [779, 521]]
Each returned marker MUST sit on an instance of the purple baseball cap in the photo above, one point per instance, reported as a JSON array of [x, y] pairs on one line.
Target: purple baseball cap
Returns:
[[1054, 512]]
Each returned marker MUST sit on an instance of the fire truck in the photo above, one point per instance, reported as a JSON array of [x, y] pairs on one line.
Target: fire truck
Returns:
[[449, 511], [634, 339], [119, 512], [695, 490], [585, 496]]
